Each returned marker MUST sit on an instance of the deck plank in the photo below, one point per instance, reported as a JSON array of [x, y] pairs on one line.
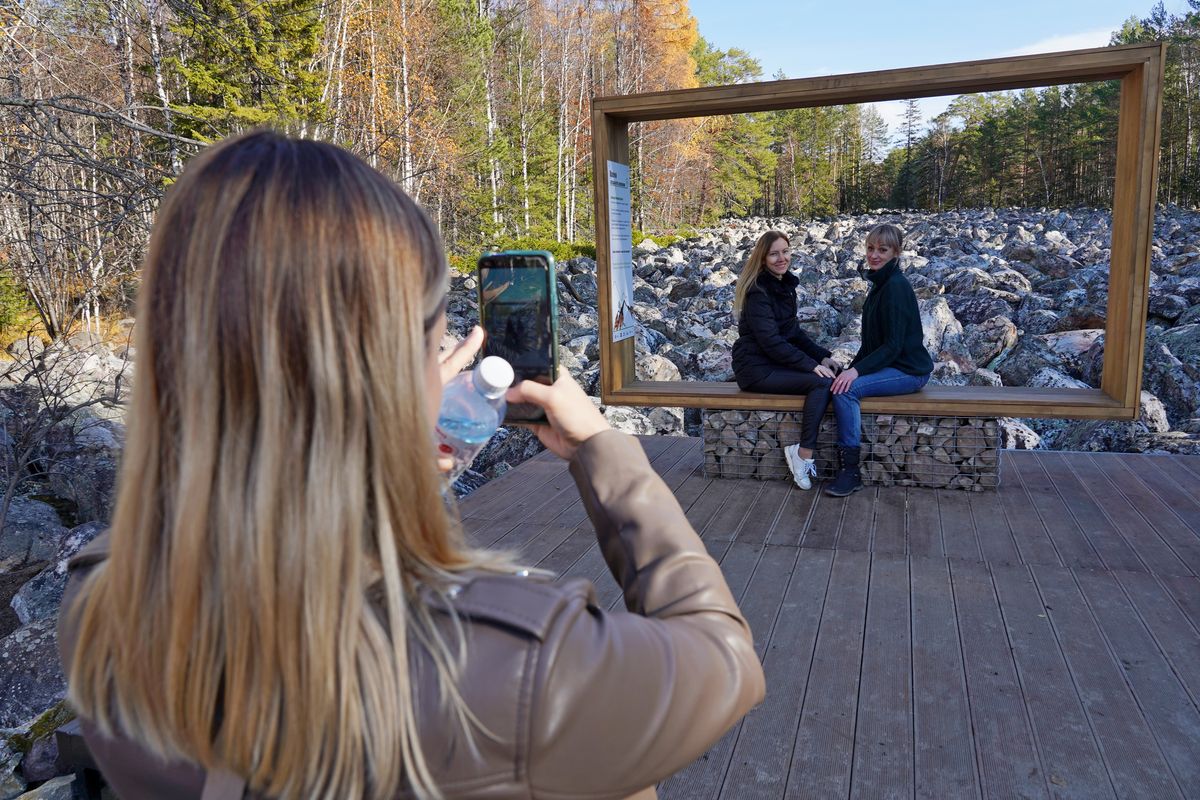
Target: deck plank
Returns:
[[1004, 746], [758, 768], [891, 509], [727, 521], [759, 596], [1177, 637], [1113, 550], [825, 523], [1190, 463], [1074, 766], [824, 752], [857, 520], [944, 753], [996, 540], [1176, 487], [1122, 478], [1135, 761], [1142, 537], [759, 521], [931, 643], [1186, 591], [1164, 702], [1073, 547], [793, 518], [883, 751], [923, 522], [1033, 540], [958, 529]]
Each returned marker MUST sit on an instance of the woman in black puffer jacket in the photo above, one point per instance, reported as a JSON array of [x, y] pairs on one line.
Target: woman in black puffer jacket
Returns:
[[772, 353]]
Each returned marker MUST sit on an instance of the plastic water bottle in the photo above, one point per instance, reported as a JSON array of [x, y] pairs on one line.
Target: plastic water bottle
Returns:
[[472, 407]]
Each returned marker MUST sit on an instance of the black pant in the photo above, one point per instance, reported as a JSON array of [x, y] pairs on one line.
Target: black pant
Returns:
[[816, 400]]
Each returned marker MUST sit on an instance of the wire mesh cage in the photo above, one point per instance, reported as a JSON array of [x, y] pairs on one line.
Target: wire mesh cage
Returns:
[[934, 452]]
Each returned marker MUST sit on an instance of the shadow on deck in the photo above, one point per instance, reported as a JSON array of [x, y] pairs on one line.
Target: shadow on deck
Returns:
[[1042, 640]]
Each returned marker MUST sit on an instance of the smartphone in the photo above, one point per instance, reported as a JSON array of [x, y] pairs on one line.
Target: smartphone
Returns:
[[518, 310]]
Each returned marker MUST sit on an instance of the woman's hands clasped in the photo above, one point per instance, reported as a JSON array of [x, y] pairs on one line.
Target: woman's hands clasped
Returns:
[[842, 382]]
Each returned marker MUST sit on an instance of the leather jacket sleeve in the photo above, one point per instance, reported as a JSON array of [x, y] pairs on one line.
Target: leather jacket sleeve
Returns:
[[624, 700]]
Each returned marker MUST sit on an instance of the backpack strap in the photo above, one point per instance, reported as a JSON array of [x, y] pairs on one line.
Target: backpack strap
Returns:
[[220, 784]]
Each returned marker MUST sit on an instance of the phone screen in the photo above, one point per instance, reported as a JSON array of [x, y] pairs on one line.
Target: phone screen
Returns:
[[517, 310]]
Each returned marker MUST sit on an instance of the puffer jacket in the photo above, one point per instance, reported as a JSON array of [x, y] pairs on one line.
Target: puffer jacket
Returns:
[[583, 702], [769, 335]]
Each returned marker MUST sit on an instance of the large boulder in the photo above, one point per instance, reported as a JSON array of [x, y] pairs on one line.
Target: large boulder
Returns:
[[941, 328], [1022, 362], [39, 598], [1072, 348], [1016, 435], [1107, 436], [972, 309], [83, 462], [32, 532], [655, 368], [990, 339], [31, 681]]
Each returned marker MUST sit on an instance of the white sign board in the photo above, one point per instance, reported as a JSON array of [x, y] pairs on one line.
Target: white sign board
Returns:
[[620, 250]]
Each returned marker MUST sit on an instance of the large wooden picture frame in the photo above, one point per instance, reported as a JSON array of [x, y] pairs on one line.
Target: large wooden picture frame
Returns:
[[1139, 68]]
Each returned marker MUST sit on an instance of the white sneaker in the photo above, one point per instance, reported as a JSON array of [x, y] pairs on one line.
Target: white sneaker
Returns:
[[803, 469]]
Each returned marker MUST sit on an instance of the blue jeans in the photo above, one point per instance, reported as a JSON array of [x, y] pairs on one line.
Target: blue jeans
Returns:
[[847, 408]]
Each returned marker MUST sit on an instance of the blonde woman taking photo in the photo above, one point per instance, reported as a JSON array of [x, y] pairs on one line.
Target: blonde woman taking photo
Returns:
[[284, 608]]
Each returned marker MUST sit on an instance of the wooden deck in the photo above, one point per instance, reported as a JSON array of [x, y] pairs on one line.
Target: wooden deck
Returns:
[[1042, 640]]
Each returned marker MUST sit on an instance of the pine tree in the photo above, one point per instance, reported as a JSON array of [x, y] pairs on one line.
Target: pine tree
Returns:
[[244, 63]]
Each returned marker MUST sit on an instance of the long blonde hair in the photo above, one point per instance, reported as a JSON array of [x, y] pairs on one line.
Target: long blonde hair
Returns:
[[754, 267], [278, 501]]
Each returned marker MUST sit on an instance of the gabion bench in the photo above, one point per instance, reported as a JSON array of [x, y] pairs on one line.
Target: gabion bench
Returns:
[[935, 452]]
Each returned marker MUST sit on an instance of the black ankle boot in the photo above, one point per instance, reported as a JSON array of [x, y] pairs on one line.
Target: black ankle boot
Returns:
[[848, 479]]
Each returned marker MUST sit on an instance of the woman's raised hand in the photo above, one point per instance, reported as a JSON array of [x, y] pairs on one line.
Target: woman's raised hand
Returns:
[[571, 417], [456, 360]]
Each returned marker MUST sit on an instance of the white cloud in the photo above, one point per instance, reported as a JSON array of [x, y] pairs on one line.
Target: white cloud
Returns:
[[1064, 41]]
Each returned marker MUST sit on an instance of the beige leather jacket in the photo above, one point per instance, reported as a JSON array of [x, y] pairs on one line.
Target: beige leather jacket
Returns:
[[582, 702]]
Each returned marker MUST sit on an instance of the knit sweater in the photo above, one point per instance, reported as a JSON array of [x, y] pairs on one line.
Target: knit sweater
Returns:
[[891, 326]]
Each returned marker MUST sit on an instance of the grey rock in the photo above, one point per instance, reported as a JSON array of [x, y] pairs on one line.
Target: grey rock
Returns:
[[1049, 378], [83, 466], [629, 420], [39, 598], [990, 339], [984, 377], [31, 681], [974, 309], [1168, 306], [12, 783], [32, 532], [655, 368], [1016, 435], [1184, 343], [60, 788]]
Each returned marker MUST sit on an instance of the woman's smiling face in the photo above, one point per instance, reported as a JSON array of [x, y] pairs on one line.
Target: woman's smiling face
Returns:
[[879, 254], [779, 257]]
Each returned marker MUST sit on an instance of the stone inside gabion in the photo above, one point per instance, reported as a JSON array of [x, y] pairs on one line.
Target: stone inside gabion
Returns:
[[933, 452]]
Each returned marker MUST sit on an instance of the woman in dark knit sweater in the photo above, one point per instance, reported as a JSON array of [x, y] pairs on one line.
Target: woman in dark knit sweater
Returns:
[[772, 353], [892, 359]]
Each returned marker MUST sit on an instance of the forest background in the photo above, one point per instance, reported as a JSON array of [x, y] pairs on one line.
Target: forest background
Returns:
[[480, 109]]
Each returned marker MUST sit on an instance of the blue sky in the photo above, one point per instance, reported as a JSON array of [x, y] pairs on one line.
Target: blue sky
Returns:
[[804, 38]]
